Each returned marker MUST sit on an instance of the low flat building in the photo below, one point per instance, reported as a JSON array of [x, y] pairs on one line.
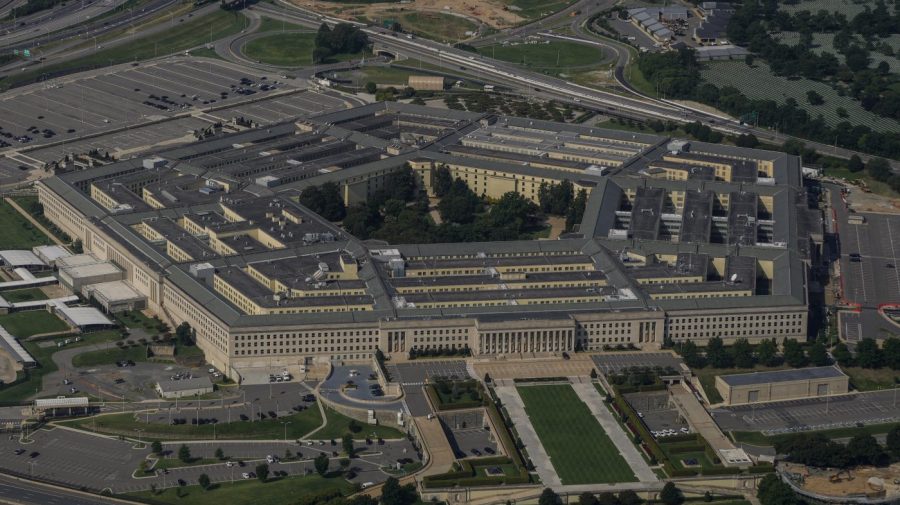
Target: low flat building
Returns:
[[21, 259], [50, 253], [75, 272], [115, 296], [426, 82], [780, 385], [84, 318], [184, 387]]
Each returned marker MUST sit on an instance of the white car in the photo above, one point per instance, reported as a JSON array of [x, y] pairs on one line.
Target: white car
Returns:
[[270, 459], [229, 464], [245, 475]]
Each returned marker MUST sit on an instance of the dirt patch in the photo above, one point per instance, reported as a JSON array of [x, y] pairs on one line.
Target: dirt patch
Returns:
[[8, 367], [557, 226], [490, 12], [847, 483], [861, 201]]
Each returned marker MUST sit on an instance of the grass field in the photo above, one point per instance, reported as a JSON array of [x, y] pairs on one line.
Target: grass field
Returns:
[[21, 390], [191, 33], [282, 49], [24, 295], [250, 492], [110, 356], [16, 231], [268, 429], [275, 25], [533, 9], [32, 322], [867, 379], [760, 83], [32, 206], [552, 58], [437, 26], [580, 450], [339, 424]]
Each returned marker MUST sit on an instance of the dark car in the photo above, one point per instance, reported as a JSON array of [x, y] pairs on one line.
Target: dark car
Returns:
[[34, 454], [19, 452]]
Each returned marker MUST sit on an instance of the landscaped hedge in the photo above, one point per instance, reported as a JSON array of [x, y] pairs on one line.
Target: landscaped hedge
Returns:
[[640, 389], [439, 405], [467, 475]]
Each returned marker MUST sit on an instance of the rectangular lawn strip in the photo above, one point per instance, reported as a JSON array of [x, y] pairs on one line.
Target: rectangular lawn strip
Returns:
[[18, 232], [339, 424], [759, 439], [581, 452], [28, 384], [531, 9], [23, 295], [247, 492], [110, 356], [869, 379], [268, 429], [31, 322]]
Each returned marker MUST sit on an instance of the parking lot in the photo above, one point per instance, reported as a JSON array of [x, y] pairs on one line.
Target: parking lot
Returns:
[[615, 362], [658, 414], [811, 414], [362, 395], [468, 435]]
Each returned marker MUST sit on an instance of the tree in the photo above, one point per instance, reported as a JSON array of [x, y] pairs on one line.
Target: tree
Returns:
[[183, 334], [691, 354], [773, 491], [607, 498], [487, 378], [549, 497], [593, 373], [262, 472], [863, 449], [818, 355], [203, 480], [156, 447], [629, 497], [746, 140], [793, 353], [392, 493], [868, 355], [855, 164], [842, 354], [371, 87], [184, 453], [219, 453], [743, 353], [671, 495], [321, 464], [442, 181], [142, 466], [460, 204], [892, 443], [354, 426], [587, 498], [767, 352], [716, 354], [347, 443], [814, 98], [879, 169], [890, 348]]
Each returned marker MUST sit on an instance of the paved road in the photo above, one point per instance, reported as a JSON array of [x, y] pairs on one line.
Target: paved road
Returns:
[[22, 492], [591, 397], [516, 409]]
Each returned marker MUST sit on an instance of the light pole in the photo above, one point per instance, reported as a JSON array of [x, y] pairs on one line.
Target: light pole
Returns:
[[285, 424], [139, 430]]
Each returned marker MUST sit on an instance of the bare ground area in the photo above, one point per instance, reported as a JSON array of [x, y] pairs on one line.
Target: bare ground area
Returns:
[[557, 225], [490, 12], [870, 202], [852, 482], [8, 367]]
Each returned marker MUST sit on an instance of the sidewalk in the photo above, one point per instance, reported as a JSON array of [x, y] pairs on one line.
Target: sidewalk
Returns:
[[591, 397]]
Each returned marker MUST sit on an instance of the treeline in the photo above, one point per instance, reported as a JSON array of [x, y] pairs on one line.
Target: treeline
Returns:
[[677, 75], [742, 354], [560, 199], [30, 7], [869, 355], [773, 491], [325, 200], [817, 450], [344, 38]]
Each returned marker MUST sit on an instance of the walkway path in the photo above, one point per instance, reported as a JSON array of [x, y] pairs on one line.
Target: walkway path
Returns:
[[516, 408], [591, 397], [699, 418]]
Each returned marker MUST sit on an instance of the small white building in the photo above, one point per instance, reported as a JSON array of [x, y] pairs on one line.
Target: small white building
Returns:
[[115, 296], [184, 387], [50, 253], [84, 318], [21, 259], [77, 271]]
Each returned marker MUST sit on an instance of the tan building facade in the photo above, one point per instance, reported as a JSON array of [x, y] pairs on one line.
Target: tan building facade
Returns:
[[781, 385]]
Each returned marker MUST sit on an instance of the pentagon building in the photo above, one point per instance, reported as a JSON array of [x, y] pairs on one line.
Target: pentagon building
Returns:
[[679, 241]]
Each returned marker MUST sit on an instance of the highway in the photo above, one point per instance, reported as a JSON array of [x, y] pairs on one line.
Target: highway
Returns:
[[14, 491]]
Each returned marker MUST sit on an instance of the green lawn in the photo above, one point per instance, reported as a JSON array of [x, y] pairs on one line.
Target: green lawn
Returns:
[[137, 319], [268, 429], [23, 295], [531, 9], [553, 58], [867, 379], [32, 206], [339, 424], [267, 24], [31, 322], [437, 26], [29, 385], [192, 32], [282, 49], [110, 356], [18, 232], [580, 450], [250, 492]]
